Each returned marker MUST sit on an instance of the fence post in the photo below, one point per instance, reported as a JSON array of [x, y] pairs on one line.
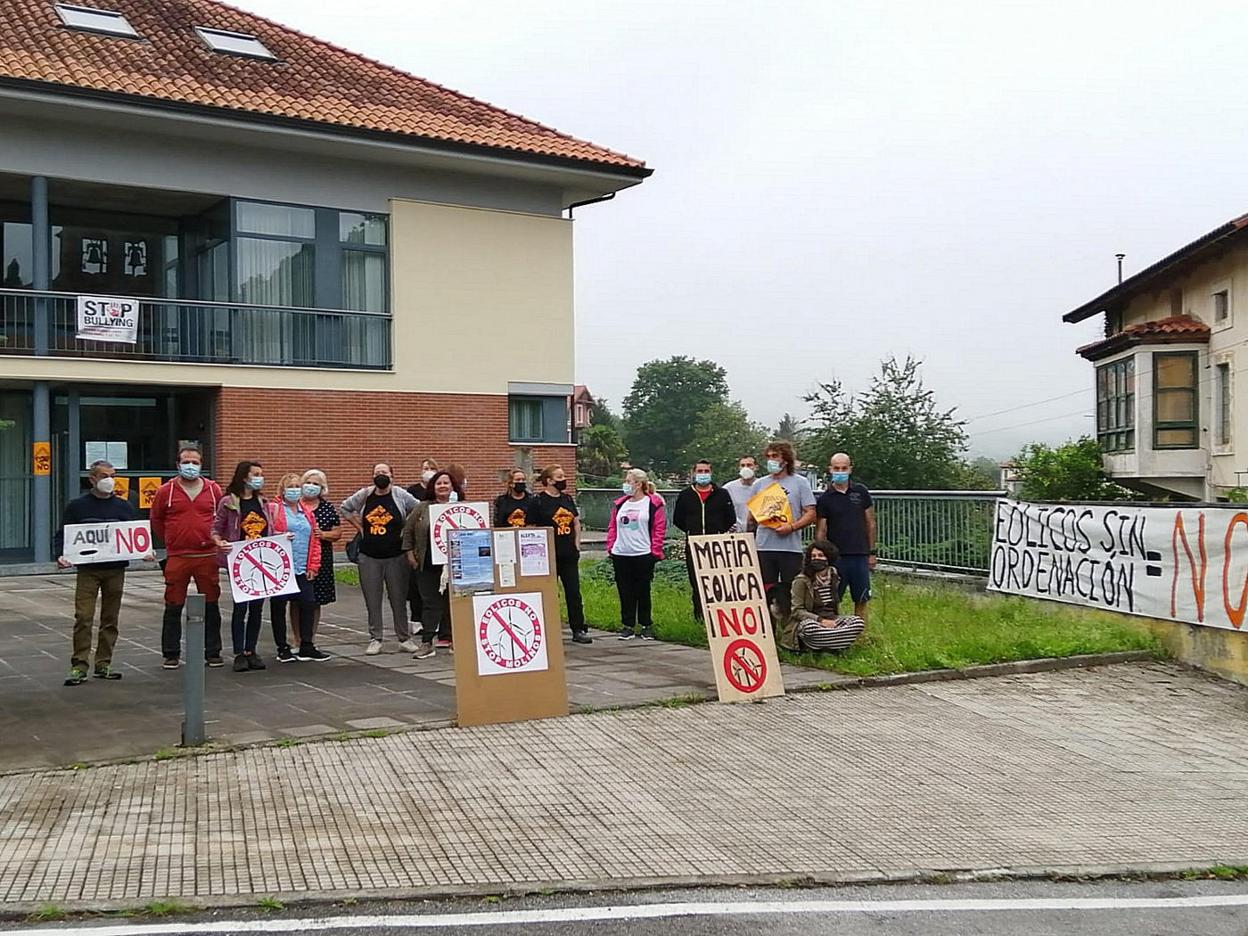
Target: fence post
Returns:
[[193, 674]]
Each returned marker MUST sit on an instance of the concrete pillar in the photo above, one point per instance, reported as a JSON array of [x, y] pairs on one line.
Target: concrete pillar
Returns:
[[41, 235]]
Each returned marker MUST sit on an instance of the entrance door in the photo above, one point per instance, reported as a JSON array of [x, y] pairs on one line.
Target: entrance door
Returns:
[[16, 481]]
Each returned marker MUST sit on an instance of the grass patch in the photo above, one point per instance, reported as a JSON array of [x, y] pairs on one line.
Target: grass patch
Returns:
[[48, 913], [911, 627], [347, 575], [163, 908], [270, 904]]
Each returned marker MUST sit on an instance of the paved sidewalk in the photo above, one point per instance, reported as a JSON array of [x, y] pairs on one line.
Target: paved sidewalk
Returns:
[[45, 724], [1126, 765]]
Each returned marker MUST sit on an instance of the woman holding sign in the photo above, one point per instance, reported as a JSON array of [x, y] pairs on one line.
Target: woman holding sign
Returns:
[[554, 507], [435, 595], [295, 518], [245, 514], [635, 543]]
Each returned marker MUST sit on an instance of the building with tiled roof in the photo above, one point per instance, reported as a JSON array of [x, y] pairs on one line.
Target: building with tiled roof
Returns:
[[1168, 415], [217, 229]]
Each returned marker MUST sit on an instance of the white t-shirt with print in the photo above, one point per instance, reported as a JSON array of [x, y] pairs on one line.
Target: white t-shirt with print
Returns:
[[632, 528]]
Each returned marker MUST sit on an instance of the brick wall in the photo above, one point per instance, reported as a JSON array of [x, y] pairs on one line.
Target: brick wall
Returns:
[[344, 433]]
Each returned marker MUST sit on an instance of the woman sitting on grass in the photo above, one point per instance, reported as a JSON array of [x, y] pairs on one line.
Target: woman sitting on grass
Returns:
[[811, 621]]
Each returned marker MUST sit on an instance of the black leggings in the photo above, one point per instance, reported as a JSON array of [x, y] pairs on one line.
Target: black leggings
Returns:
[[435, 620], [307, 611], [633, 575], [245, 625], [569, 571]]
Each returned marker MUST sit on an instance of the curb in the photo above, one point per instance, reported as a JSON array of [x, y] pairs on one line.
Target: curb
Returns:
[[1019, 667], [19, 911]]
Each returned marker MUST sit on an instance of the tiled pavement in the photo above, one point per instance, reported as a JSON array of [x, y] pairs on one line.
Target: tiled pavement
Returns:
[[43, 723], [1124, 765]]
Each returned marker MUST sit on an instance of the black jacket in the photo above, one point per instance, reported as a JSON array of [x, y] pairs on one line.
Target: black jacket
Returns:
[[716, 515]]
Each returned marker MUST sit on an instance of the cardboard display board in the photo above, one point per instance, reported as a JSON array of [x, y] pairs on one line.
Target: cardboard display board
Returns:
[[738, 623], [508, 640]]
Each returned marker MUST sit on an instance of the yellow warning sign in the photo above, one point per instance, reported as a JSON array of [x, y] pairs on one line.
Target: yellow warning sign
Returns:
[[121, 487], [147, 492], [42, 458]]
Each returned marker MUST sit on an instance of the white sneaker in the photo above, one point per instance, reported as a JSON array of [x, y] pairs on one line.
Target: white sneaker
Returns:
[[409, 646], [374, 647]]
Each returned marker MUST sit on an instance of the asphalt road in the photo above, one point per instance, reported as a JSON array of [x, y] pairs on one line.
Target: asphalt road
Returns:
[[1209, 908]]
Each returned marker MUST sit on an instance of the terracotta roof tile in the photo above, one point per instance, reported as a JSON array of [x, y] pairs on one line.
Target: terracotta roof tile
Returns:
[[1176, 328], [312, 80]]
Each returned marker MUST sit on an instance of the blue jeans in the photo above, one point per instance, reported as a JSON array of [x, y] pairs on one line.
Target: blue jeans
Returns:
[[855, 575]]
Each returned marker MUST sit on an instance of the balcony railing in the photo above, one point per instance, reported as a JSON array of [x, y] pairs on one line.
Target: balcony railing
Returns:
[[192, 331]]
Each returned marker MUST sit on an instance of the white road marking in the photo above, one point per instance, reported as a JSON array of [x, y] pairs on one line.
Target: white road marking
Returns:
[[652, 912]]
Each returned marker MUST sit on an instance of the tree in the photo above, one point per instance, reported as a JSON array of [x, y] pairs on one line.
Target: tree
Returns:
[[981, 474], [788, 428], [722, 435], [600, 452], [600, 415], [663, 407], [895, 433], [1069, 472]]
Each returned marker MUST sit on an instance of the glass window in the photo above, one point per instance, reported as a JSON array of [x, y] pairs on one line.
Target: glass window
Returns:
[[1115, 406], [1175, 409], [525, 419], [276, 220], [220, 40], [95, 20], [369, 229], [272, 272], [363, 281], [16, 252], [1224, 404], [1221, 305]]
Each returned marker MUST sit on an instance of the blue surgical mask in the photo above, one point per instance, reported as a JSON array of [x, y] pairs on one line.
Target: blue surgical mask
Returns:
[[255, 483], [627, 488], [839, 477], [454, 497], [292, 494], [311, 490], [774, 466], [702, 477], [189, 470]]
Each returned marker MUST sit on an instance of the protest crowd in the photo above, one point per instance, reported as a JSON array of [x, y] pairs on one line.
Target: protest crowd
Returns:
[[385, 529]]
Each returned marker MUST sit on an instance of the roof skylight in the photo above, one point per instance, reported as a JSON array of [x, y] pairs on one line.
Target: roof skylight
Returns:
[[232, 43], [109, 22]]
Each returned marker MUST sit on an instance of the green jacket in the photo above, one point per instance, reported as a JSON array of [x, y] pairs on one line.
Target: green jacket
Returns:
[[416, 532], [802, 609]]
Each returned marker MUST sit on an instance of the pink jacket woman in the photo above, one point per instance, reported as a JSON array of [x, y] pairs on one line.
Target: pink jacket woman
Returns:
[[658, 524]]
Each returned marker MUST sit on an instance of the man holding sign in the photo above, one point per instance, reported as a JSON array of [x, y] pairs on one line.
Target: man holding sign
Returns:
[[106, 579]]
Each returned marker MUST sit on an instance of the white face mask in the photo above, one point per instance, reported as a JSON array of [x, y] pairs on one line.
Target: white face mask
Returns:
[[427, 476], [454, 497], [106, 485], [747, 474]]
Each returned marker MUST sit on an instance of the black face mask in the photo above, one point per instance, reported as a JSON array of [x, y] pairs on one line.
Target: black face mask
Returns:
[[518, 487], [561, 486], [818, 565], [381, 481]]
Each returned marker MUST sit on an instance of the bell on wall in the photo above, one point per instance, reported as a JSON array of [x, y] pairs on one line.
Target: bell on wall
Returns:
[[94, 255]]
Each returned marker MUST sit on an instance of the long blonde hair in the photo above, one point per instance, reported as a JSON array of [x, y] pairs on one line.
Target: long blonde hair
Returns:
[[639, 477]]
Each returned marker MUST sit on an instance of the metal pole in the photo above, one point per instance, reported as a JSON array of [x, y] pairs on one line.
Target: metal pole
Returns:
[[193, 674]]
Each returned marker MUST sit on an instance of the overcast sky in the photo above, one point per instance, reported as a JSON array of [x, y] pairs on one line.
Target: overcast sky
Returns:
[[839, 181]]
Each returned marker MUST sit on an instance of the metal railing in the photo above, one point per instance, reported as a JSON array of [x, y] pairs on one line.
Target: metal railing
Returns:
[[947, 531], [193, 331]]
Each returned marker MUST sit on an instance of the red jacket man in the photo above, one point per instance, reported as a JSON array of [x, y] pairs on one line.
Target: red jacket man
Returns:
[[182, 515]]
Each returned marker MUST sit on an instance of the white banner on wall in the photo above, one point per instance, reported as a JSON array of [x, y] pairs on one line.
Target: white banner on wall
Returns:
[[108, 318], [1180, 563]]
